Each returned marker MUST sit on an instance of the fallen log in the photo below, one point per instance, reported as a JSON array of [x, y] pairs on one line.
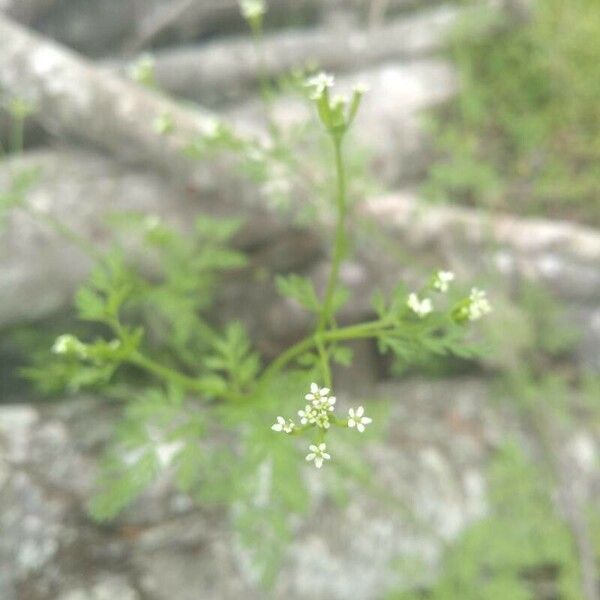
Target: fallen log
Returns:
[[188, 20], [227, 69], [26, 11], [74, 98]]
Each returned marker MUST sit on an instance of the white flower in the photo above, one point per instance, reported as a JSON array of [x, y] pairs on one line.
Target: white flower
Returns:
[[319, 83], [322, 420], [166, 452], [328, 403], [252, 9], [318, 454], [479, 305], [308, 415], [320, 404], [419, 307], [357, 419], [316, 393], [69, 344], [361, 88], [339, 101], [282, 425], [442, 279]]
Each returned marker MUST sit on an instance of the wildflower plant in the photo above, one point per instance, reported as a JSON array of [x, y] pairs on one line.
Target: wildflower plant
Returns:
[[199, 402]]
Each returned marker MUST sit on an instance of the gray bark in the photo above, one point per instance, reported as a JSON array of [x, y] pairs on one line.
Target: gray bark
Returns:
[[26, 11], [73, 98], [228, 68], [187, 20]]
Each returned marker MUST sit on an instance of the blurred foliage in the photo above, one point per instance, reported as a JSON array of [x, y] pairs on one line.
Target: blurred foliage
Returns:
[[521, 551], [524, 548], [525, 127], [524, 132]]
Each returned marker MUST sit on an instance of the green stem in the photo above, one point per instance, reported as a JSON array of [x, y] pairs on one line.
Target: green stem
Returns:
[[285, 358], [340, 236], [324, 356], [67, 233], [139, 360], [17, 136], [263, 79], [353, 332]]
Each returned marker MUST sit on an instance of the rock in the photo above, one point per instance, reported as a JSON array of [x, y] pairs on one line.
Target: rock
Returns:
[[226, 69], [107, 588], [429, 473]]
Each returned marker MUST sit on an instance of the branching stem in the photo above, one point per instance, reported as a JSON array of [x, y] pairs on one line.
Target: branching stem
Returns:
[[339, 248]]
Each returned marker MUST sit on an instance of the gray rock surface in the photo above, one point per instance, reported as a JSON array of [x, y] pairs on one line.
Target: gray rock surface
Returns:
[[432, 460]]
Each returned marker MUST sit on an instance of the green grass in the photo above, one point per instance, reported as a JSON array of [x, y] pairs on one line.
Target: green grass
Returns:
[[524, 133], [521, 551]]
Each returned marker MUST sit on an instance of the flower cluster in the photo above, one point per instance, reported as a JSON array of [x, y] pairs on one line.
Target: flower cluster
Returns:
[[423, 306], [441, 281], [472, 308], [282, 425], [420, 307], [69, 345], [318, 84], [479, 305], [318, 413], [253, 10], [337, 113]]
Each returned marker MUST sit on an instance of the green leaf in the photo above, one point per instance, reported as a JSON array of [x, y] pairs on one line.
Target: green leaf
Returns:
[[379, 304], [300, 289], [340, 297], [233, 356], [342, 355]]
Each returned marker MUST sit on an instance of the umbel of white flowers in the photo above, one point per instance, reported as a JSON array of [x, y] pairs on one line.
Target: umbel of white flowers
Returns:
[[252, 9], [318, 414], [471, 309], [338, 112]]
